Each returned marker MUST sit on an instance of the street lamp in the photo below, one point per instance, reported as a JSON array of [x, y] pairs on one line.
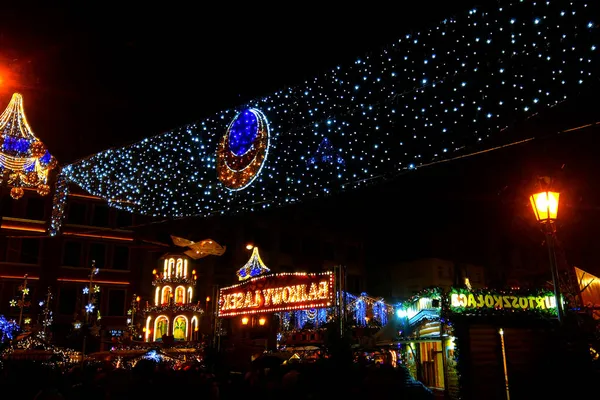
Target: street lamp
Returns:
[[545, 208]]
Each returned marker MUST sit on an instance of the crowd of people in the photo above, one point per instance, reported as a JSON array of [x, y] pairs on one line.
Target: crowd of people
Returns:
[[151, 380]]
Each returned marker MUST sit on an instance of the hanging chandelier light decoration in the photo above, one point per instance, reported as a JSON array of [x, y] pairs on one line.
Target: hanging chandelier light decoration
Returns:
[[24, 160]]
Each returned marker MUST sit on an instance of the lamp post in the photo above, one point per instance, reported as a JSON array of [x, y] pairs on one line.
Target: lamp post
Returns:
[[545, 208]]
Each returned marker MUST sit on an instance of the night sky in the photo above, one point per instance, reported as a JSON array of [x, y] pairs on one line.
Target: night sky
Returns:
[[96, 77]]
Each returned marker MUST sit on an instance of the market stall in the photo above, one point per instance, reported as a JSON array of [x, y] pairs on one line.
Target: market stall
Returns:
[[475, 344]]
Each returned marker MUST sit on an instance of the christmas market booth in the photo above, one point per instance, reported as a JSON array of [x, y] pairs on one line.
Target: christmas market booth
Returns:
[[292, 311], [479, 344], [33, 347], [172, 316]]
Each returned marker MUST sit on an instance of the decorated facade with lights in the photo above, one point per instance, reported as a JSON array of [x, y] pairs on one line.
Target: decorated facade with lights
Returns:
[[301, 301], [24, 160], [431, 96], [172, 313], [439, 331]]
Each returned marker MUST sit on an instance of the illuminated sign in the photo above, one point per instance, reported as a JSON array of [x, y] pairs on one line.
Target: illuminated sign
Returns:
[[464, 301], [278, 292]]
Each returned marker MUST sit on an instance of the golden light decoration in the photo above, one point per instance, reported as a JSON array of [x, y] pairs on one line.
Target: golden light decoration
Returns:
[[203, 248], [24, 160], [16, 193], [243, 149], [253, 267]]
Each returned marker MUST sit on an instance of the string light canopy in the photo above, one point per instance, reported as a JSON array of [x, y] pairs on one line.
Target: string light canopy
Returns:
[[433, 95], [24, 160]]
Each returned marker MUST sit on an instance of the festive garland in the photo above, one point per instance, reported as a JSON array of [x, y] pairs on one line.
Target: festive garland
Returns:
[[174, 308], [33, 343], [432, 292], [160, 281]]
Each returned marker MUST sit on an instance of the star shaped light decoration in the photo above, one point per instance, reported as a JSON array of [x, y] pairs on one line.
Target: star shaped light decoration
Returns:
[[89, 308], [203, 248], [13, 303], [24, 160], [86, 290]]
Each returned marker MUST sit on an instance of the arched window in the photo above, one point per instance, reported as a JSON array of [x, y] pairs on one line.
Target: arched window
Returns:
[[157, 296], [179, 295], [194, 324], [185, 269], [166, 268], [179, 268], [180, 327], [161, 327], [166, 294], [190, 293], [171, 267], [148, 328]]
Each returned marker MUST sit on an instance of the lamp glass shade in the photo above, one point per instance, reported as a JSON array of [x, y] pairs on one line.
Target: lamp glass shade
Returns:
[[245, 321], [545, 205]]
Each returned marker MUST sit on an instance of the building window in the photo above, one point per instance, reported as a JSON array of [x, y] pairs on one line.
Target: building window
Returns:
[[124, 219], [72, 254], [100, 216], [445, 272], [121, 258], [35, 208], [6, 206], [116, 302], [67, 299], [30, 251], [76, 213], [3, 247], [97, 254]]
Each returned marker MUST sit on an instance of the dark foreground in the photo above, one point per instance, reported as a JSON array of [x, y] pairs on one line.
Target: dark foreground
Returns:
[[148, 380]]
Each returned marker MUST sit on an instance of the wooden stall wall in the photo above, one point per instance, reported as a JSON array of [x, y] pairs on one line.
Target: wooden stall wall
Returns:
[[529, 356]]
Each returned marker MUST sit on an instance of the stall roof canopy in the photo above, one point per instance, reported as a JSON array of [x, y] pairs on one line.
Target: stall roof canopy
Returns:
[[589, 286]]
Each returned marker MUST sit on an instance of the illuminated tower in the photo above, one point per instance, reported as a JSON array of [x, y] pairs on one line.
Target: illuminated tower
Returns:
[[172, 312]]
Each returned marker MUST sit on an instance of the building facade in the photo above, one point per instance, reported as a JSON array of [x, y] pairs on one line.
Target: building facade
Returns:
[[408, 278], [92, 232]]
